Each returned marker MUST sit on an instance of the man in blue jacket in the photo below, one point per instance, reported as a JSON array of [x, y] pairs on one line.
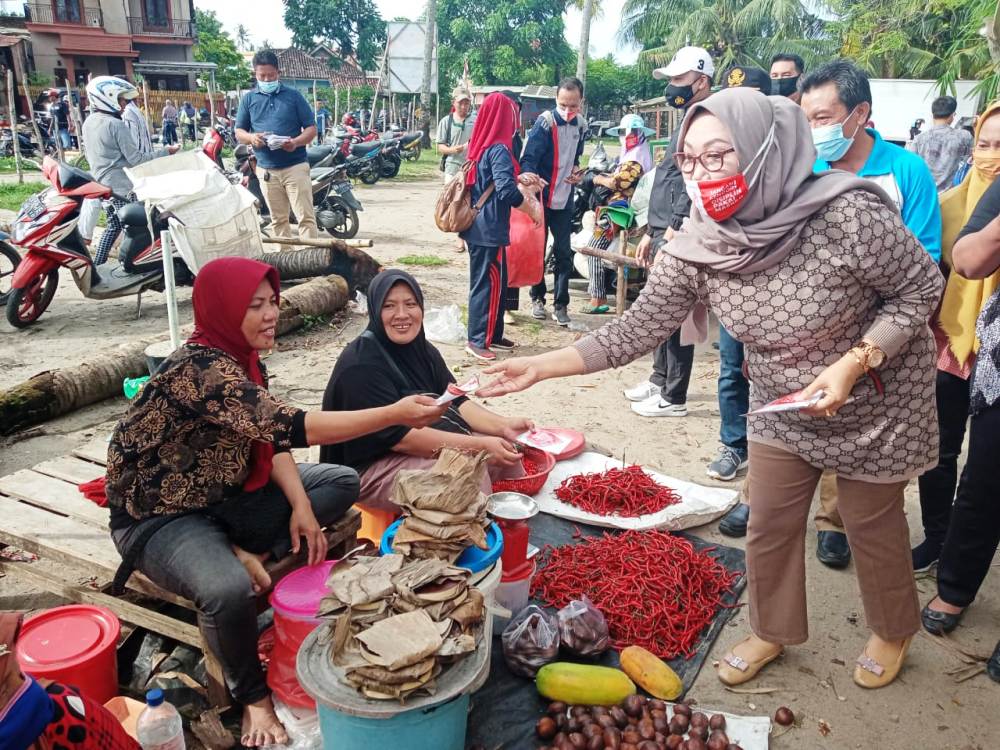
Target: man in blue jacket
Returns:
[[552, 154], [278, 122]]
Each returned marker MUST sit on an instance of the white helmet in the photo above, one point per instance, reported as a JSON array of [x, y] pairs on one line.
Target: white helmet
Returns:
[[103, 93]]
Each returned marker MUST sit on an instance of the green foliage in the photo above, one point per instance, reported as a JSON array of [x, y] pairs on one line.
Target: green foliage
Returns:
[[352, 26], [611, 86], [39, 78], [735, 32], [12, 195], [515, 42], [215, 45], [422, 260]]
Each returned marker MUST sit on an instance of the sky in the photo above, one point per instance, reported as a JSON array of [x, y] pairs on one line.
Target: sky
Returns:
[[264, 22]]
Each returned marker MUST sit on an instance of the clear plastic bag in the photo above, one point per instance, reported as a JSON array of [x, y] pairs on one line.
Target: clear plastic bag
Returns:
[[530, 641], [302, 725], [444, 325], [583, 631]]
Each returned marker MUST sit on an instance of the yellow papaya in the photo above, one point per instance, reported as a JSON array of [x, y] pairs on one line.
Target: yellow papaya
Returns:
[[651, 673], [583, 684]]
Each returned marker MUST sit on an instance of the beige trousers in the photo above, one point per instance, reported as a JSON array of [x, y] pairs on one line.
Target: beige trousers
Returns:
[[782, 486], [285, 190], [827, 517]]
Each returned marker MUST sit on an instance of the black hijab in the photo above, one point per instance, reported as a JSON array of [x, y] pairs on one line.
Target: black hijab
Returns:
[[374, 371]]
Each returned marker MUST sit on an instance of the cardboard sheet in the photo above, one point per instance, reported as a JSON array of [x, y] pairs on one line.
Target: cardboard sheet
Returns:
[[699, 504]]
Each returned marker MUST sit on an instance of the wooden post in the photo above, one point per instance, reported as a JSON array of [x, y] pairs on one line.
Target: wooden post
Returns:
[[21, 61], [211, 98], [145, 109], [12, 111], [348, 98], [336, 104], [621, 291], [316, 109], [74, 113]]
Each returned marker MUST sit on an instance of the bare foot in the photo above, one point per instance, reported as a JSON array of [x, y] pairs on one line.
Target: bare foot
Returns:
[[254, 564], [940, 605], [261, 726]]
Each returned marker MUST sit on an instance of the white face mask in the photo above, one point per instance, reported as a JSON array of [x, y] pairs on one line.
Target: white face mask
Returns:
[[566, 114]]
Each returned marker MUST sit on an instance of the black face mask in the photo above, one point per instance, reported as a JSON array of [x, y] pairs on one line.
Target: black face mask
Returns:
[[784, 86], [679, 96]]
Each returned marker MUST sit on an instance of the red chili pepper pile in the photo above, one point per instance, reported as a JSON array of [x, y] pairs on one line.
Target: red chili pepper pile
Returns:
[[627, 492], [530, 467], [654, 588]]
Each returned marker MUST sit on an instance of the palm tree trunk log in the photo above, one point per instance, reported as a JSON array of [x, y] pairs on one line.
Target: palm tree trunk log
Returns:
[[57, 392]]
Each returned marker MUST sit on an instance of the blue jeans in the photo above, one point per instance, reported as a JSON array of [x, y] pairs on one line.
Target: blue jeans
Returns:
[[734, 393], [487, 289], [191, 556], [64, 137], [560, 224]]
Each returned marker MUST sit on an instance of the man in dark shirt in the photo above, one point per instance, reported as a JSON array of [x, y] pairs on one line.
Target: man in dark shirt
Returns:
[[278, 122], [664, 394]]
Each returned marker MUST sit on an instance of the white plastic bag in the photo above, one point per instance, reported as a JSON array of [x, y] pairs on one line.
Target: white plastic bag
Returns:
[[530, 641], [444, 325], [302, 725]]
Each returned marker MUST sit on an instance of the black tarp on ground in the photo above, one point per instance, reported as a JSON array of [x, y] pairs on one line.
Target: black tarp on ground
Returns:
[[505, 709]]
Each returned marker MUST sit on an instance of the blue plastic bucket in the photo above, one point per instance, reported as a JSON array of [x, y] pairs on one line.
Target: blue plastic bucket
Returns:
[[440, 727], [472, 558]]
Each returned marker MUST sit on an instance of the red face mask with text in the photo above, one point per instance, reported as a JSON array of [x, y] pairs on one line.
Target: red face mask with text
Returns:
[[631, 141], [722, 197]]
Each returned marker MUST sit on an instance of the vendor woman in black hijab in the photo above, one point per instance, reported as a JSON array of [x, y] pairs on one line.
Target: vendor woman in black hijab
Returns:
[[392, 358]]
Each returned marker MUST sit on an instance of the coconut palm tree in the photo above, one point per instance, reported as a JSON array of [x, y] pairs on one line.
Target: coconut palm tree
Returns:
[[733, 31]]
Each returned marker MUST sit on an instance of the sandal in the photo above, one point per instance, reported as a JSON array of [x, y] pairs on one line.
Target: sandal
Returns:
[[868, 673], [596, 310], [735, 670]]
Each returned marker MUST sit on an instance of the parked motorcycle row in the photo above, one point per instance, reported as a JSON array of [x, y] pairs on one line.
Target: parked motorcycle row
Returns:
[[45, 234]]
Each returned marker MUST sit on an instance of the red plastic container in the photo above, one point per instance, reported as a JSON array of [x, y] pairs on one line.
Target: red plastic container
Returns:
[[532, 483], [74, 645], [295, 601]]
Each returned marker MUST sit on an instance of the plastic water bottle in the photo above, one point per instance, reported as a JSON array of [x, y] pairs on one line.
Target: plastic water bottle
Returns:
[[160, 726]]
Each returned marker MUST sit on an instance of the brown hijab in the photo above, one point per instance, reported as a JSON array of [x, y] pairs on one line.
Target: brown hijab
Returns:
[[783, 196]]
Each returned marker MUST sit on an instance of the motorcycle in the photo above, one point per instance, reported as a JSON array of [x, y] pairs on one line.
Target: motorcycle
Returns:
[[391, 159], [410, 145], [246, 167], [46, 229], [9, 261], [26, 144]]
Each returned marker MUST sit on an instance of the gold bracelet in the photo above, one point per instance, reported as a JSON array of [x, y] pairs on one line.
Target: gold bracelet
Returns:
[[856, 353]]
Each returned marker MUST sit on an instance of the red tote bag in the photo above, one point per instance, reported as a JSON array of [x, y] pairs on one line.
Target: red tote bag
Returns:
[[526, 252]]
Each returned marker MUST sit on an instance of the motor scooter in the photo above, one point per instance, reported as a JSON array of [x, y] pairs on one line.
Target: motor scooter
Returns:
[[46, 231]]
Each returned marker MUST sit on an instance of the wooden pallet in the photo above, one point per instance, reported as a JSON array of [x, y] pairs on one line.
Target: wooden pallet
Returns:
[[43, 512]]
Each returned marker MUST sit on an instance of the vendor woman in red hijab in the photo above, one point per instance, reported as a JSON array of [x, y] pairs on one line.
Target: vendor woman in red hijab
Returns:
[[202, 486], [493, 177]]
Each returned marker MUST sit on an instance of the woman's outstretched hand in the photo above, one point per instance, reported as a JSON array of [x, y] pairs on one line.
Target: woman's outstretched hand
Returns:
[[514, 375], [418, 411]]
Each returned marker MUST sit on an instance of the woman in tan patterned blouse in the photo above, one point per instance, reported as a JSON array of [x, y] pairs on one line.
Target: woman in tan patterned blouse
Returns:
[[818, 277], [202, 486]]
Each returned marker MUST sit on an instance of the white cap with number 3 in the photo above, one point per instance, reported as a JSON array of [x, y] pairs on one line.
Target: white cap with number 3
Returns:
[[687, 59]]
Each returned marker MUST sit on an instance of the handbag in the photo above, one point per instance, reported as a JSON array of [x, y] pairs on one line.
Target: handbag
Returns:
[[454, 211]]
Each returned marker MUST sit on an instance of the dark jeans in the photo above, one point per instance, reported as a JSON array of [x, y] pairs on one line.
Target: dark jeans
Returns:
[[169, 132], [937, 486], [111, 231], [734, 393], [560, 224], [672, 369], [974, 531], [192, 557], [487, 287]]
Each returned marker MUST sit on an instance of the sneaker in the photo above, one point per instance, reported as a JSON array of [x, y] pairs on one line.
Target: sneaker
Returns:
[[925, 555], [641, 392], [538, 309], [657, 406], [560, 316], [729, 463], [509, 319], [504, 345], [480, 352]]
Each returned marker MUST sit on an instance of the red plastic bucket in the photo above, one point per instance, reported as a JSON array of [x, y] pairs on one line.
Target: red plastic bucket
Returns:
[[295, 601], [74, 645]]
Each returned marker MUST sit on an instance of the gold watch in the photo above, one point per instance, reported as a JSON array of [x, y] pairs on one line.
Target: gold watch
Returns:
[[869, 356]]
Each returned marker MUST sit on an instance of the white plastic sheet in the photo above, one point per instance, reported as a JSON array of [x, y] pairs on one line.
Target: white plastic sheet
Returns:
[[699, 504]]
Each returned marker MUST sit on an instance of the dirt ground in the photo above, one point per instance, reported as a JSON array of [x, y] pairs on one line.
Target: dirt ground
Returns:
[[925, 708]]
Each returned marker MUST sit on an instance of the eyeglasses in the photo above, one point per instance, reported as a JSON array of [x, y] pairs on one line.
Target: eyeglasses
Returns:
[[712, 161]]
